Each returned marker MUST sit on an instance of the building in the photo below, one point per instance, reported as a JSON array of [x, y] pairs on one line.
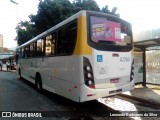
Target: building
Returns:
[[1, 40]]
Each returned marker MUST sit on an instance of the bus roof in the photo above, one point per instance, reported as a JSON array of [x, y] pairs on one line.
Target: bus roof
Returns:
[[80, 13]]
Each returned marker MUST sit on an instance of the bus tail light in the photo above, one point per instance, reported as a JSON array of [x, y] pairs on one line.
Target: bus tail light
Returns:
[[88, 73], [132, 71]]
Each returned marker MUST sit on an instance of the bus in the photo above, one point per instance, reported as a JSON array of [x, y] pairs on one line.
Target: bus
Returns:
[[85, 57]]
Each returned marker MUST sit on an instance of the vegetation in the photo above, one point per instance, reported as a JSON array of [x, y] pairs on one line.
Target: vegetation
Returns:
[[26, 31], [52, 12]]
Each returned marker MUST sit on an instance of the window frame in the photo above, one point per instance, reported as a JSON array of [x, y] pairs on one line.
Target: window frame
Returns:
[[105, 47], [43, 52], [52, 33], [74, 44], [55, 32]]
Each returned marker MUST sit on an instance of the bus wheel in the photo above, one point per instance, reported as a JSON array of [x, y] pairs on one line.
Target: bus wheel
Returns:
[[38, 83]]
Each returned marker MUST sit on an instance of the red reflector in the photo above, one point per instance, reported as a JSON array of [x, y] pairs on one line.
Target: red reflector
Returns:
[[75, 86], [89, 95], [92, 86], [69, 90], [116, 80]]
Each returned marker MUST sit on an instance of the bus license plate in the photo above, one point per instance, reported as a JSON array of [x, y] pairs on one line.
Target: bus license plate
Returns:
[[116, 80]]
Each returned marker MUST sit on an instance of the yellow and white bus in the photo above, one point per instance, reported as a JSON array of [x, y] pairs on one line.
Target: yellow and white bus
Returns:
[[85, 57]]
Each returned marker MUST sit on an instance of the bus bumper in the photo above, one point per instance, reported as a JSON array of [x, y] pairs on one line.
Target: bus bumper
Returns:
[[88, 94]]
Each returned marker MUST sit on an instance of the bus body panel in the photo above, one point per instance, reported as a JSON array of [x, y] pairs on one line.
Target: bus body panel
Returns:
[[68, 76], [111, 68], [27, 69], [88, 94], [82, 47]]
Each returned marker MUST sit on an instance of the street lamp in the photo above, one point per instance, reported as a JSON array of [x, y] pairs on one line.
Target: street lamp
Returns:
[[17, 18]]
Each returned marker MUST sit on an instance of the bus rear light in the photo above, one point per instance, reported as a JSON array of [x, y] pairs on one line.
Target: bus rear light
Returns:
[[88, 68], [90, 82], [89, 95], [88, 73], [132, 76], [92, 86], [75, 86]]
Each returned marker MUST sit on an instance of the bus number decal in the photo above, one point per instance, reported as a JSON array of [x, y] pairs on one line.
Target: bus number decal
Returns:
[[124, 59]]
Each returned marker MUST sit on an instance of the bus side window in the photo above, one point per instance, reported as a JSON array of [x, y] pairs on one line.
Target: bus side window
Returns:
[[27, 53], [17, 57], [23, 53], [19, 53], [66, 39], [40, 48], [32, 48], [50, 45]]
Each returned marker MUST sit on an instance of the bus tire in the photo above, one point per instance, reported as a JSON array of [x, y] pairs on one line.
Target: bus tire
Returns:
[[38, 83]]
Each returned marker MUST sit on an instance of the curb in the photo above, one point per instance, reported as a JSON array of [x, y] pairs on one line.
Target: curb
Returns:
[[8, 71], [151, 102]]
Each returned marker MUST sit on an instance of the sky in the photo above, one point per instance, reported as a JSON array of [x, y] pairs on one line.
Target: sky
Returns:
[[8, 19], [143, 14]]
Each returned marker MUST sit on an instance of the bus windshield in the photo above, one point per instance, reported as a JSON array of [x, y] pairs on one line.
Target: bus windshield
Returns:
[[108, 31]]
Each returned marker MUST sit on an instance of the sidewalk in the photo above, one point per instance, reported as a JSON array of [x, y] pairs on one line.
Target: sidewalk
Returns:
[[150, 93]]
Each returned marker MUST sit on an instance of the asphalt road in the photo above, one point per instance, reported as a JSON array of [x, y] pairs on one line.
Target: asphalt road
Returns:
[[21, 96]]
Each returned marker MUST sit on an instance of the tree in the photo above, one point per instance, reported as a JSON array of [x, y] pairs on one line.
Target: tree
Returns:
[[26, 31], [105, 9], [85, 5], [50, 13], [113, 11]]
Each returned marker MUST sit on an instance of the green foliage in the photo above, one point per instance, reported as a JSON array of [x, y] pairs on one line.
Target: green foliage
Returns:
[[26, 31], [85, 5], [105, 9], [52, 12]]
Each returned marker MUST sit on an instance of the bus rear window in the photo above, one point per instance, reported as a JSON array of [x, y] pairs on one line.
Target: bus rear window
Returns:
[[107, 31]]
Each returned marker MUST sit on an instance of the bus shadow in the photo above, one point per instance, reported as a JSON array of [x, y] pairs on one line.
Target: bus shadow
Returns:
[[26, 82]]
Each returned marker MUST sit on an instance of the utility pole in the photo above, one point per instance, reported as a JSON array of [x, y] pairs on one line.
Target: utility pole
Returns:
[[17, 19]]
